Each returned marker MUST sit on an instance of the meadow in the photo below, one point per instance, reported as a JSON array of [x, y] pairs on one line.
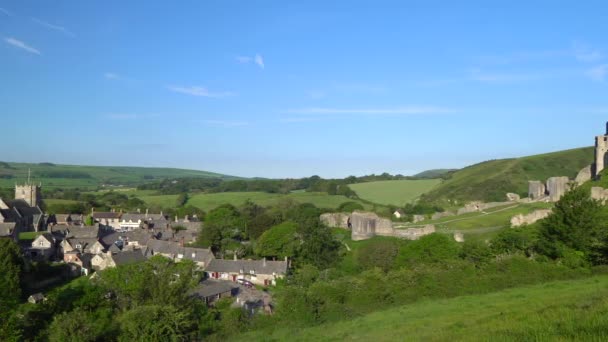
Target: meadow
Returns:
[[559, 310], [210, 201], [394, 192]]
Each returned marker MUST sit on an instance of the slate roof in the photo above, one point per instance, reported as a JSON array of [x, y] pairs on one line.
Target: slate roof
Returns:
[[174, 249], [10, 215], [245, 266], [124, 258], [82, 231], [85, 243], [211, 287], [105, 215]]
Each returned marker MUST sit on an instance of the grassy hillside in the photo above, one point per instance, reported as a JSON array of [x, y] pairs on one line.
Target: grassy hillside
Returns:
[[562, 310], [211, 201], [394, 192], [491, 180], [435, 173], [71, 176]]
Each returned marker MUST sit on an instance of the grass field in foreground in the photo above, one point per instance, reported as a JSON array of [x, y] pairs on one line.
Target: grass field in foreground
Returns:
[[394, 192], [211, 201], [561, 310]]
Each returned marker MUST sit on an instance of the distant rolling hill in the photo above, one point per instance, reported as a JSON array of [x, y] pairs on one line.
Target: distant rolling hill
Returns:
[[72, 176], [435, 173], [491, 180]]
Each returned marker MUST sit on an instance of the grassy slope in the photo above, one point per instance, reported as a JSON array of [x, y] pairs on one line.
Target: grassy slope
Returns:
[[210, 201], [562, 310], [435, 173], [115, 175], [490, 181], [395, 192]]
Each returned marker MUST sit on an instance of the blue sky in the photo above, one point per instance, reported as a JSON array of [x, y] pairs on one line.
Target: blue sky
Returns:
[[292, 89]]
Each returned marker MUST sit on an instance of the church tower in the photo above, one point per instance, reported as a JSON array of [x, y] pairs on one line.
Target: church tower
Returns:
[[29, 192]]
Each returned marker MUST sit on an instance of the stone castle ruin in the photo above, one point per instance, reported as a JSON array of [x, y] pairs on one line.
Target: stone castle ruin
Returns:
[[601, 153], [365, 225]]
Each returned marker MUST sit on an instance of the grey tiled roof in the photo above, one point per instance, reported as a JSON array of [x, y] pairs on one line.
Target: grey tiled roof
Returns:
[[105, 215], [174, 249], [130, 257], [245, 266], [210, 287]]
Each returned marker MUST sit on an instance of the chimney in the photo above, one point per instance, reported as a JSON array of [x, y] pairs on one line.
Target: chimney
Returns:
[[92, 210], [176, 218], [235, 258], [186, 218], [264, 262], [146, 212], [181, 242], [138, 211]]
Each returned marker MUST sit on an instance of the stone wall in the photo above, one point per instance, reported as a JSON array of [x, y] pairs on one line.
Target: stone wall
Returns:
[[337, 220], [599, 193], [414, 233], [418, 218], [537, 215], [458, 237], [437, 216], [511, 197], [365, 225], [474, 207], [557, 187], [584, 175], [536, 190]]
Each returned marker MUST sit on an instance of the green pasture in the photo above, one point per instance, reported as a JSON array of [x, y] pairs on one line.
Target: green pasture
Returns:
[[394, 192]]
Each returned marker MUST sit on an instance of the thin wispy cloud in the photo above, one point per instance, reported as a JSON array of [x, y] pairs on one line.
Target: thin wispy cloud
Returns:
[[598, 73], [410, 110], [53, 27], [199, 91], [243, 59], [583, 53], [225, 123], [6, 12], [21, 45], [111, 76], [257, 59]]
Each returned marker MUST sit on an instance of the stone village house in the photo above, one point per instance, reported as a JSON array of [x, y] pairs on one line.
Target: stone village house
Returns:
[[260, 272]]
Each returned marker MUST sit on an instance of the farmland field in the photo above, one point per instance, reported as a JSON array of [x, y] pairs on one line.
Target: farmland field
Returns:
[[210, 201], [394, 192]]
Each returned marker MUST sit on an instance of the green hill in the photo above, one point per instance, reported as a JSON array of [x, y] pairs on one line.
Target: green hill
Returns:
[[394, 192], [490, 181], [71, 176], [562, 310], [435, 173]]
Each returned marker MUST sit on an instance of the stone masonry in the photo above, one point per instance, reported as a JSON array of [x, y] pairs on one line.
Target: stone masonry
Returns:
[[601, 148], [536, 190], [537, 215], [337, 220], [584, 175], [557, 187]]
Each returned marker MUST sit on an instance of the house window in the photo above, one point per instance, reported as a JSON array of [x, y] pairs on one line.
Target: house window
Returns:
[[180, 256], [252, 272], [78, 246]]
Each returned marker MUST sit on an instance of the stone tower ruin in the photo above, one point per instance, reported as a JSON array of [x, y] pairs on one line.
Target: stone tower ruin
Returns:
[[601, 148]]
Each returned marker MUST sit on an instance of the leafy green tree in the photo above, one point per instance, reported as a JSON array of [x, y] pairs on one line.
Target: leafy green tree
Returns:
[[181, 200], [156, 323], [476, 252], [279, 241], [431, 248], [222, 225], [89, 221], [349, 207], [319, 247], [578, 223], [11, 264], [82, 325], [515, 240], [379, 253]]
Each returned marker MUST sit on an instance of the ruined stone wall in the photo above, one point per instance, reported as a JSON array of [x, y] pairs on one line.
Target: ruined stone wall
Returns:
[[437, 216], [511, 197], [537, 215], [599, 193], [474, 207], [414, 233], [366, 225], [458, 237], [337, 220], [536, 190], [584, 175], [418, 218], [601, 148], [557, 187]]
